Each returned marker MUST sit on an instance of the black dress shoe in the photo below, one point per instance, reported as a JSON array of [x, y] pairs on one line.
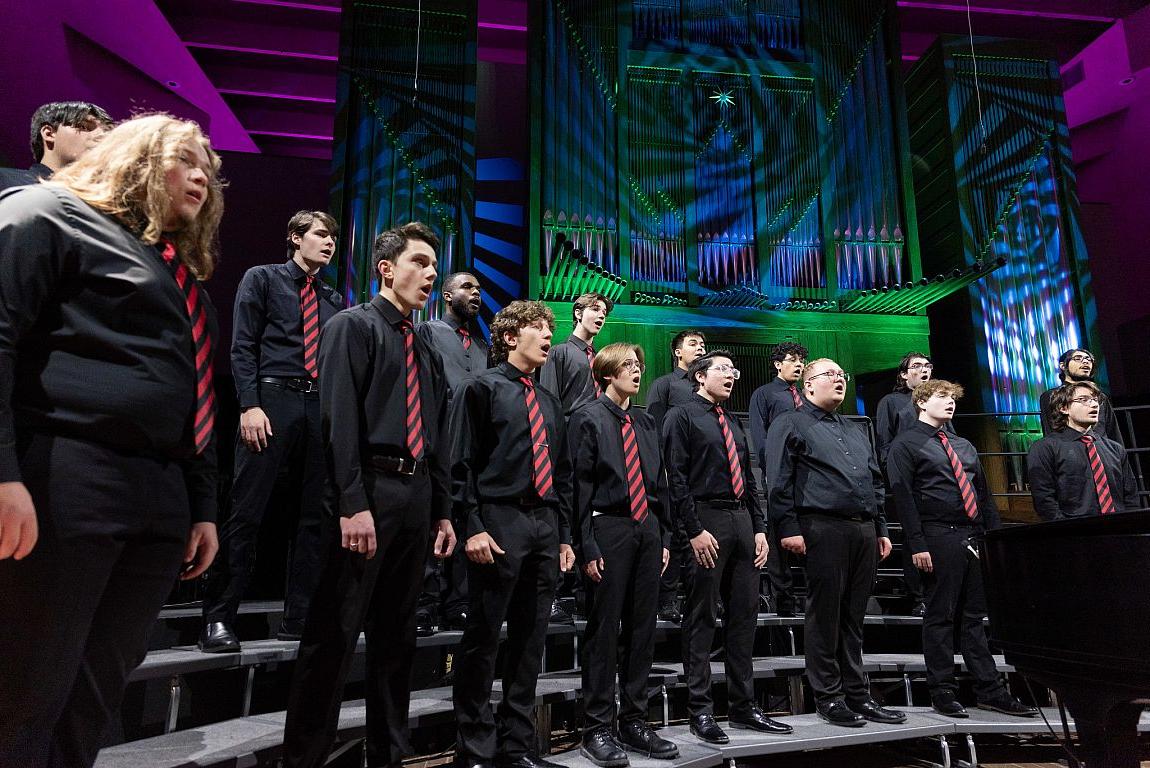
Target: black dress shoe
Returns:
[[638, 736], [424, 625], [946, 703], [705, 727], [218, 637], [1008, 705], [527, 761], [871, 710], [668, 612], [919, 609], [471, 762], [756, 720], [457, 622], [600, 747], [560, 616], [290, 629], [838, 713]]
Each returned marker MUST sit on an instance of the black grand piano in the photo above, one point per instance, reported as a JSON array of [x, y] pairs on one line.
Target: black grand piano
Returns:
[[1069, 605]]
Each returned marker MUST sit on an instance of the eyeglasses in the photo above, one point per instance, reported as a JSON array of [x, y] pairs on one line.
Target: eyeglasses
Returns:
[[831, 374], [1081, 358], [1085, 400], [922, 366], [633, 365], [725, 369]]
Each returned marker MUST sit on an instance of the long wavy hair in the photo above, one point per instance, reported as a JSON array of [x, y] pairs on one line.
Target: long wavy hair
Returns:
[[124, 177]]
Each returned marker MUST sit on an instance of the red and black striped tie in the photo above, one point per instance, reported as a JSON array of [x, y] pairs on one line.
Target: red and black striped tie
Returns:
[[466, 334], [1098, 471], [309, 309], [591, 365], [636, 490], [969, 503], [736, 467], [202, 344], [795, 396], [540, 452], [414, 410]]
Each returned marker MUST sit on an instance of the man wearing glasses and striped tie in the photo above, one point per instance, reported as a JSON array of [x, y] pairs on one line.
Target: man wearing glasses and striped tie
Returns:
[[1075, 366], [1076, 471]]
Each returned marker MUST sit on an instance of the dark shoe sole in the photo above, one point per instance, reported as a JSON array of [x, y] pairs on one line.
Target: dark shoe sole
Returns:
[[671, 755], [604, 763], [724, 740], [990, 708], [747, 727], [884, 720], [851, 724], [963, 713], [230, 648], [288, 636]]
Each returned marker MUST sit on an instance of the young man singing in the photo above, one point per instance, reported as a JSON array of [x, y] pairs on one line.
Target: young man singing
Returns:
[[511, 481], [622, 530]]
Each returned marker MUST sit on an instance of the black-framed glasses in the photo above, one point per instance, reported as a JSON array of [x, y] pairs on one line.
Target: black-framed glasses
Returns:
[[921, 366], [1082, 358], [831, 374]]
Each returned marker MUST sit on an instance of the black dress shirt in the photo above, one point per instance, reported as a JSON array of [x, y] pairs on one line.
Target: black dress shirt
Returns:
[[18, 177], [697, 465], [492, 452], [1107, 420], [600, 474], [267, 335], [767, 403], [1062, 484], [666, 392], [567, 374], [459, 364], [925, 489], [363, 365], [821, 463], [95, 338]]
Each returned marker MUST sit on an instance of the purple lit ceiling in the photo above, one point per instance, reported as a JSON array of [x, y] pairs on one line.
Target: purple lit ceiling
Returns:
[[262, 73]]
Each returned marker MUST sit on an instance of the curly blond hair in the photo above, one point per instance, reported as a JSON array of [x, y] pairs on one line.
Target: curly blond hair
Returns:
[[124, 177]]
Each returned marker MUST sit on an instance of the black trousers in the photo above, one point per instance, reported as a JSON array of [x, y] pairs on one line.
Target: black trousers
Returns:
[[779, 580], [620, 637], [842, 557], [379, 596], [954, 592], [76, 612], [296, 445], [444, 584], [912, 576], [518, 587], [680, 569], [735, 579]]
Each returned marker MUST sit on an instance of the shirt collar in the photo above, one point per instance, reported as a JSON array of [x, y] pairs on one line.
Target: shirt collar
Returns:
[[578, 342], [40, 171], [388, 310], [511, 372], [294, 271], [612, 407], [1070, 434], [927, 429], [679, 373], [818, 413]]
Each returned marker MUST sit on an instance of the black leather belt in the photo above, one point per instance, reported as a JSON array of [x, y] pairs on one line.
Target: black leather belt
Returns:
[[306, 386], [722, 503], [396, 465]]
